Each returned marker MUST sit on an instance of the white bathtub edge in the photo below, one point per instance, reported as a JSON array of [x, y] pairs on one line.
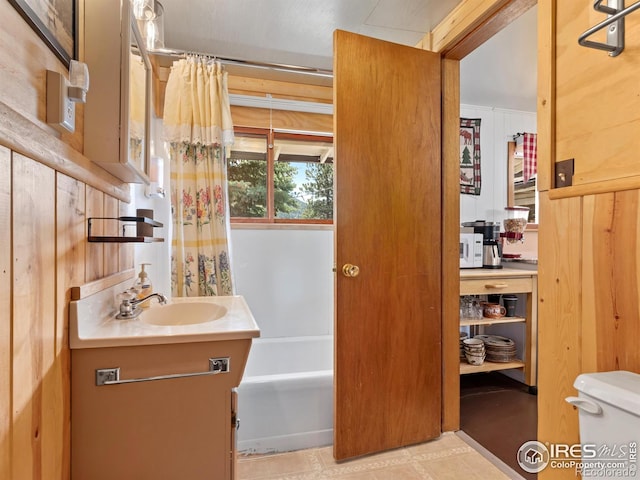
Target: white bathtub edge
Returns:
[[320, 377], [286, 443]]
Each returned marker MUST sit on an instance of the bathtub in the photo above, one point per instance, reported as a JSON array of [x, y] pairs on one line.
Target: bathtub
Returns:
[[285, 398]]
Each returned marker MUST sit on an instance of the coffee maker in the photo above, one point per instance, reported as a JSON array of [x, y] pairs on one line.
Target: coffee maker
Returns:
[[491, 242]]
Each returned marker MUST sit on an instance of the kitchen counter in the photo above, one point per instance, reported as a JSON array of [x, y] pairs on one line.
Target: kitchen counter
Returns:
[[480, 273], [532, 261]]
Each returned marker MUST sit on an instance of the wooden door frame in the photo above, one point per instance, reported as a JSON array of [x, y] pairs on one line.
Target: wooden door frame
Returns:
[[467, 27]]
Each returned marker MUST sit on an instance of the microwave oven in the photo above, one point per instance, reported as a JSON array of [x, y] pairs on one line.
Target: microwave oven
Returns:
[[470, 250]]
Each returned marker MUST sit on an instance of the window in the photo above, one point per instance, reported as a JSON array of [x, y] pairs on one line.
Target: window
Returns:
[[280, 177]]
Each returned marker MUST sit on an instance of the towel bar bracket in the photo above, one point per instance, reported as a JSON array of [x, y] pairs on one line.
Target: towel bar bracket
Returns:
[[614, 24]]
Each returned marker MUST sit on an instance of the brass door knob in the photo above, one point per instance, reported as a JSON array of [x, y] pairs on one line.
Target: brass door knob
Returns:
[[349, 270]]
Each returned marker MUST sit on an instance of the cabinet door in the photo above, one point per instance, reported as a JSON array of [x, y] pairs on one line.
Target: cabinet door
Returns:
[[159, 429], [597, 97], [117, 118]]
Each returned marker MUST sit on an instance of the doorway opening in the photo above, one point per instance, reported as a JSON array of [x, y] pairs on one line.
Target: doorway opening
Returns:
[[498, 85]]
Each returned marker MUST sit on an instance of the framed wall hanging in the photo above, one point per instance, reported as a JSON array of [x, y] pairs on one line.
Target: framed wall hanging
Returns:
[[470, 178], [55, 23]]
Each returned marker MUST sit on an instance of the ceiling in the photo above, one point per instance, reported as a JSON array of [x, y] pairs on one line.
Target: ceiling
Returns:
[[499, 73], [294, 32]]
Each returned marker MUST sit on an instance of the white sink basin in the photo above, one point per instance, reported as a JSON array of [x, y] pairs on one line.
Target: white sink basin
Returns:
[[93, 322], [186, 313]]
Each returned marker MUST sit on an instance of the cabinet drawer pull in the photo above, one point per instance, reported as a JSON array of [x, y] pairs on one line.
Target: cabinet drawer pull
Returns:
[[496, 285], [111, 376]]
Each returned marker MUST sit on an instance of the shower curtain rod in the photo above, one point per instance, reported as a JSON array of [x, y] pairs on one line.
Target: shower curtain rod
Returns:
[[318, 72]]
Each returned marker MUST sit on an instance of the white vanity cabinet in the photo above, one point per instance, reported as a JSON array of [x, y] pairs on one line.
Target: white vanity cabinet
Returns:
[[159, 428], [501, 281], [152, 396], [117, 115]]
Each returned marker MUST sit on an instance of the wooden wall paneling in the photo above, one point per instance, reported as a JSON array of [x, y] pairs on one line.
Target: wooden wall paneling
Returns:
[[611, 281], [259, 117], [591, 85], [451, 231], [24, 136], [94, 265], [24, 66], [35, 416], [71, 232], [5, 313], [111, 261], [590, 290], [546, 93], [559, 321], [287, 90]]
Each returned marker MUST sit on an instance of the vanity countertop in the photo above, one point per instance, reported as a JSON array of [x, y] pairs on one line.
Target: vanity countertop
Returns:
[[92, 323]]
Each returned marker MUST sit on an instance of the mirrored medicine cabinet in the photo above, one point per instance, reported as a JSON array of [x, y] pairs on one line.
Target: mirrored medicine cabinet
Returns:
[[117, 118]]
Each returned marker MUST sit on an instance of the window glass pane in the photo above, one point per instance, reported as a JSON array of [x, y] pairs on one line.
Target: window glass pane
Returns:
[[247, 177], [303, 179]]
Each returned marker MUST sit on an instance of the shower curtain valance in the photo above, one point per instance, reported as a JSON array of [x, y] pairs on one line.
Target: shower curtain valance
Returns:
[[195, 110]]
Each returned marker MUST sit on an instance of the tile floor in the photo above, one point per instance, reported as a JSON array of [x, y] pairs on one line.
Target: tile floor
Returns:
[[446, 458]]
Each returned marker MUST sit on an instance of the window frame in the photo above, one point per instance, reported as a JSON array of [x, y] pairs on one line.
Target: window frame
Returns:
[[271, 137]]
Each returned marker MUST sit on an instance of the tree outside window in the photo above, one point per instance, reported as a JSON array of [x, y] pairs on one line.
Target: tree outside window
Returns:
[[290, 182]]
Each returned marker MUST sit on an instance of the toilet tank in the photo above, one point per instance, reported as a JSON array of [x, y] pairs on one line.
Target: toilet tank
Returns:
[[609, 409]]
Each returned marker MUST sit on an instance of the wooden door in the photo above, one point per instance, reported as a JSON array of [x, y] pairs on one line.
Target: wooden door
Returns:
[[388, 223]]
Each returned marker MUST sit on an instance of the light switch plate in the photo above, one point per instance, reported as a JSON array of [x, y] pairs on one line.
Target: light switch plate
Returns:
[[564, 173], [61, 111]]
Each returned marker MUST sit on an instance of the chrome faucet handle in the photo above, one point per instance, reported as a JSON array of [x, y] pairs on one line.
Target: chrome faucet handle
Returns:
[[128, 305], [127, 295]]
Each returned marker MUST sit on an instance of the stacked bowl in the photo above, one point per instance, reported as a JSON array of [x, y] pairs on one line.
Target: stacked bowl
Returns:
[[474, 350], [463, 337]]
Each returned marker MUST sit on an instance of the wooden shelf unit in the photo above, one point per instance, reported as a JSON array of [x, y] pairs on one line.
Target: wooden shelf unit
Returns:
[[501, 281], [467, 322], [123, 238], [488, 366]]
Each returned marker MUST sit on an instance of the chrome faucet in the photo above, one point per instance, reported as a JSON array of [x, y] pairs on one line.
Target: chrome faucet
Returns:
[[129, 307]]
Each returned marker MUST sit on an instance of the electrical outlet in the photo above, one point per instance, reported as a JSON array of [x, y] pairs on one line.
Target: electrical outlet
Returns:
[[61, 111]]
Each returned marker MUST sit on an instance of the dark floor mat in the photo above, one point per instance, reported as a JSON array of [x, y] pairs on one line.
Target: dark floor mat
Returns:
[[500, 414]]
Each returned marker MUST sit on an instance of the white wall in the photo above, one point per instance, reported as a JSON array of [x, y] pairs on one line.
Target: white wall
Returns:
[[286, 277], [496, 129], [157, 254]]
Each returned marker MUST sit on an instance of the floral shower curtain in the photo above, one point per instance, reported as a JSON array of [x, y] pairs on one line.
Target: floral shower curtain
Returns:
[[198, 127]]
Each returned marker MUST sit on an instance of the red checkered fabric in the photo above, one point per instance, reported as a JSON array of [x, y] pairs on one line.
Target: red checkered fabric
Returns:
[[530, 146]]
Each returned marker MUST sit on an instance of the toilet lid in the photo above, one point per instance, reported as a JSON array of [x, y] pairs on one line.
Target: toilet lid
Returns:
[[618, 388]]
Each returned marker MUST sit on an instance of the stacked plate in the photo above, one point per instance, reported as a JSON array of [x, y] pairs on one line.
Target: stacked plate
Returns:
[[474, 350], [499, 349]]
